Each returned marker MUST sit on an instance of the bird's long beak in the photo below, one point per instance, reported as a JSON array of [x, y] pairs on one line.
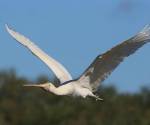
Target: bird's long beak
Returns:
[[39, 85]]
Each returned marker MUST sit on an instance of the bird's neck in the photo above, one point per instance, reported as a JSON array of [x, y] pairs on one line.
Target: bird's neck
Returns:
[[55, 90], [61, 90]]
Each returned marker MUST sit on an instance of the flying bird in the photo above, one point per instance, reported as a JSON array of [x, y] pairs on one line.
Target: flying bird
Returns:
[[88, 82]]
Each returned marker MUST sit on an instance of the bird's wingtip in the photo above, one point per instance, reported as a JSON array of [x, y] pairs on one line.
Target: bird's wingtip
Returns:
[[144, 34], [146, 29], [7, 28]]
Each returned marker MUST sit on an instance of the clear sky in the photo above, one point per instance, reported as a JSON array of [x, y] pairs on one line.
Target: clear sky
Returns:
[[75, 32]]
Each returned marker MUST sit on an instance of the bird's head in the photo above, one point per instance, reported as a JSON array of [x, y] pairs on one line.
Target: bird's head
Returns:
[[46, 86]]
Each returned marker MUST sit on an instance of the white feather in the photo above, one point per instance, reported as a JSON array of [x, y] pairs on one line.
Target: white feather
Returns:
[[59, 70]]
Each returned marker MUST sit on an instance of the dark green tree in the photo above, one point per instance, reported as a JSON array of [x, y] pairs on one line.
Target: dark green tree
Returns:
[[31, 106]]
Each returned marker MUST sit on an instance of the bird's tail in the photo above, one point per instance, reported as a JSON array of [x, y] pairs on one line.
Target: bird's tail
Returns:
[[143, 35]]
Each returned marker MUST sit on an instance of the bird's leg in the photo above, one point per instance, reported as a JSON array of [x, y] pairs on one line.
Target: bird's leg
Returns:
[[98, 98]]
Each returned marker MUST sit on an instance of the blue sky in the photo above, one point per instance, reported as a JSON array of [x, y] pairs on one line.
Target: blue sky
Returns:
[[75, 32]]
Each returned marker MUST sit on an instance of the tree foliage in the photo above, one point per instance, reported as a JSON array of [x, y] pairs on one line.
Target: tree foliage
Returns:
[[31, 106]]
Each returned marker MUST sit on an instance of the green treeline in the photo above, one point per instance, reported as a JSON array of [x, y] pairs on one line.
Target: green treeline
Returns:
[[31, 106]]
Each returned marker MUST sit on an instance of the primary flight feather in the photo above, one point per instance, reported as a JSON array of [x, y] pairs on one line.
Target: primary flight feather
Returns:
[[97, 72]]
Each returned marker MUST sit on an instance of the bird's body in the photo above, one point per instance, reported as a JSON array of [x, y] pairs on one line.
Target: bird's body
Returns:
[[97, 72], [72, 88], [78, 90]]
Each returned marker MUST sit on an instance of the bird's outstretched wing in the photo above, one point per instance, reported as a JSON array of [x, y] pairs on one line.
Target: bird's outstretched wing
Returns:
[[104, 64], [61, 73]]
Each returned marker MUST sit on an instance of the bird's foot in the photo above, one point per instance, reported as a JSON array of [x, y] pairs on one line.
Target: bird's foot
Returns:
[[98, 98]]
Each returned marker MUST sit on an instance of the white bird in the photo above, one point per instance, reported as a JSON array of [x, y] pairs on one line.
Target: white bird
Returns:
[[98, 71]]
